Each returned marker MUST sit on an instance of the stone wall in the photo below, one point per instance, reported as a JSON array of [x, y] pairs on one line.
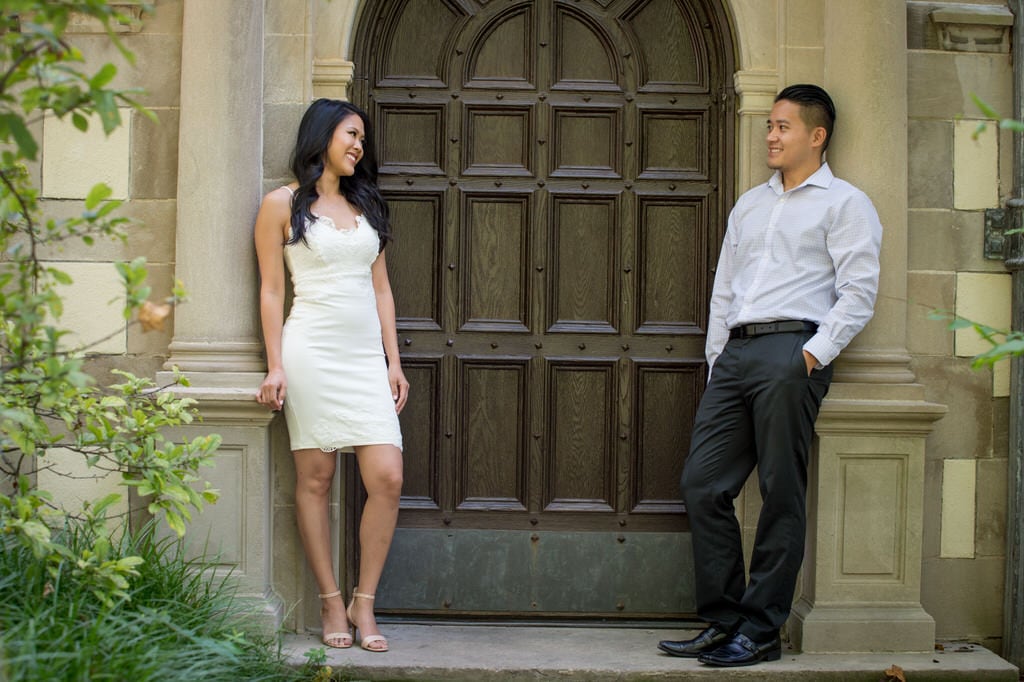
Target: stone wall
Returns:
[[953, 178], [139, 161]]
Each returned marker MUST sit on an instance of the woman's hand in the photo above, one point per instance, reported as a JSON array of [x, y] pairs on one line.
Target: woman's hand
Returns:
[[271, 392], [399, 387]]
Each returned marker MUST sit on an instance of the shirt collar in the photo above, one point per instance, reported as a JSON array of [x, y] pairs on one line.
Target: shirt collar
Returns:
[[820, 178]]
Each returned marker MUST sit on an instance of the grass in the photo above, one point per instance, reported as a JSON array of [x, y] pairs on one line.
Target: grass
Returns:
[[181, 622]]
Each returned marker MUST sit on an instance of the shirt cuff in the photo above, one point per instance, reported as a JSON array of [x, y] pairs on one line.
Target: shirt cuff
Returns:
[[820, 347]]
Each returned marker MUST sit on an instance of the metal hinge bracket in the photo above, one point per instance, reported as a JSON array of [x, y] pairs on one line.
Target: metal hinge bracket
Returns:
[[997, 222]]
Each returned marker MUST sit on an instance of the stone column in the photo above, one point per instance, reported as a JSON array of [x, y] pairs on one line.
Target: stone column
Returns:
[[216, 339], [861, 586], [219, 187], [866, 74]]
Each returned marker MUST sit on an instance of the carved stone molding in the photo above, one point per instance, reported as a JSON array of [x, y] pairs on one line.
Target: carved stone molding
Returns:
[[331, 77], [973, 28], [755, 91]]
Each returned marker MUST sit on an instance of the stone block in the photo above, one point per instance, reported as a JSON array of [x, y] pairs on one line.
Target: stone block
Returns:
[[93, 307], [166, 17], [102, 367], [930, 161], [940, 84], [931, 539], [75, 161], [959, 480], [280, 127], [990, 517], [1001, 379], [286, 17], [805, 26], [157, 68], [969, 238], [155, 342], [944, 240], [154, 156], [152, 235], [983, 298], [966, 429], [928, 292], [975, 166], [965, 596], [1000, 427], [285, 69], [805, 64], [1005, 163], [72, 482], [931, 239], [289, 567]]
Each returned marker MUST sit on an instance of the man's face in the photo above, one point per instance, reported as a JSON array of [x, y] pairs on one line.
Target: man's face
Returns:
[[792, 145]]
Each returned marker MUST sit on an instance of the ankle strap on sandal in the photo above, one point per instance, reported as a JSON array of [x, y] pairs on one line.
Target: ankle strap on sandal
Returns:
[[363, 596], [330, 594]]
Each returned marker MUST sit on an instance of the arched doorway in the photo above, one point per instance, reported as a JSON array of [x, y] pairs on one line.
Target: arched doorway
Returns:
[[558, 173]]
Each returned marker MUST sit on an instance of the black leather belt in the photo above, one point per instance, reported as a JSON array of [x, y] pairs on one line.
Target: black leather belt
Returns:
[[746, 331]]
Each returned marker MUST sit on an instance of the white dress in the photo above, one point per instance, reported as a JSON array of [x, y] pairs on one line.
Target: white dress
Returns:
[[338, 390]]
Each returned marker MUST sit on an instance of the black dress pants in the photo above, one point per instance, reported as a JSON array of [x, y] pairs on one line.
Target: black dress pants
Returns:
[[758, 410]]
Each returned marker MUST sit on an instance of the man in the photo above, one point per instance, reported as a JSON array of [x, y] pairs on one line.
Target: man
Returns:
[[796, 281]]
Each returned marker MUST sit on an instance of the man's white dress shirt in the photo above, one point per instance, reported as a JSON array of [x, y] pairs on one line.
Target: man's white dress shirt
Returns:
[[807, 254]]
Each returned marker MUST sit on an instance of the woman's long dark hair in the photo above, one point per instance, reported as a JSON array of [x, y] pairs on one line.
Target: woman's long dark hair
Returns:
[[307, 162]]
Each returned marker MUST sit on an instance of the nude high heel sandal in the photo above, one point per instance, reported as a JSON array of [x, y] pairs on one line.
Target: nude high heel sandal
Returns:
[[367, 639], [328, 637]]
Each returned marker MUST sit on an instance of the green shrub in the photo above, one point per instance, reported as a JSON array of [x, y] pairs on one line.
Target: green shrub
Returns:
[[181, 619]]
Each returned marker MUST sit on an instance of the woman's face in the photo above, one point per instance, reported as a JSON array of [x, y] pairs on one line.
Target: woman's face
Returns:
[[346, 146]]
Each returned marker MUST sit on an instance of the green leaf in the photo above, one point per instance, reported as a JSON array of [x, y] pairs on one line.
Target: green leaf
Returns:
[[98, 193], [103, 76], [15, 125], [101, 506], [106, 107], [81, 122], [984, 107], [60, 276]]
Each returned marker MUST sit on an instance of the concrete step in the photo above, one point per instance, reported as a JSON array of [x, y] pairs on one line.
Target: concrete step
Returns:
[[511, 653]]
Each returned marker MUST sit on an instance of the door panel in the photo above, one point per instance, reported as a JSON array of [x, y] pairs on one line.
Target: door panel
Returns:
[[556, 172], [495, 254], [581, 468], [584, 275], [490, 453]]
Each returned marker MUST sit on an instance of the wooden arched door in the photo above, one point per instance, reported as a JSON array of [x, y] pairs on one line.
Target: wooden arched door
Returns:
[[556, 172]]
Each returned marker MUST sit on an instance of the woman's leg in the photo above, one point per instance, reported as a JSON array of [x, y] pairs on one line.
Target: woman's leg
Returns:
[[381, 469], [314, 471]]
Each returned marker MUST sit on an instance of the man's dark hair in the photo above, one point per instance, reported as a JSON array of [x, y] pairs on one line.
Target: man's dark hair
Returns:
[[816, 107]]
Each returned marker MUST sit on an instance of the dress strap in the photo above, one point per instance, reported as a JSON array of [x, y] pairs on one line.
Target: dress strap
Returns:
[[290, 190]]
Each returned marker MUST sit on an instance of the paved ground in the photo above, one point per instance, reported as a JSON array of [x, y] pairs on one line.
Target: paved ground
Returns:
[[493, 652]]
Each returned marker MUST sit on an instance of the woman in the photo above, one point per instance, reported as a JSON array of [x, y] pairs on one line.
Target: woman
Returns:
[[326, 366]]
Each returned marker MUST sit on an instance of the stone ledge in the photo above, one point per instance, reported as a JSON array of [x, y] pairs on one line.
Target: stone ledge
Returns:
[[496, 652]]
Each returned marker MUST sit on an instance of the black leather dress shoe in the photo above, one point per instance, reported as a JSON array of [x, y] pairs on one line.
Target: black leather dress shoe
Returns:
[[741, 650], [709, 639]]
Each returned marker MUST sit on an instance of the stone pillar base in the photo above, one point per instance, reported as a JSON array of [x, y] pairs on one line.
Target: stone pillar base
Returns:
[[824, 628], [237, 530], [266, 612], [861, 582]]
